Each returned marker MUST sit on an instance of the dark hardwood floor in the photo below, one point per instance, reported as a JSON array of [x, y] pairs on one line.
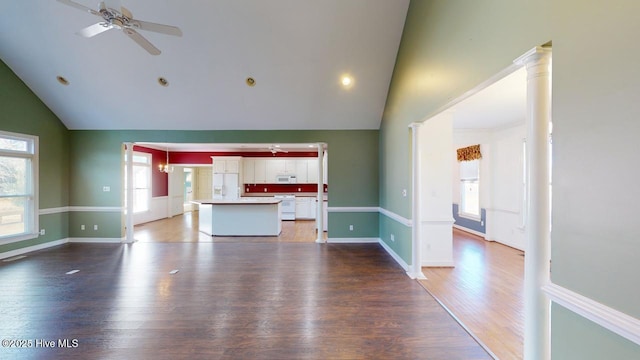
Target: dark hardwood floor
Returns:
[[228, 301]]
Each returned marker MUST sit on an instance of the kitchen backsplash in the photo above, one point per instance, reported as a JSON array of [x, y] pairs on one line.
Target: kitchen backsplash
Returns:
[[282, 188]]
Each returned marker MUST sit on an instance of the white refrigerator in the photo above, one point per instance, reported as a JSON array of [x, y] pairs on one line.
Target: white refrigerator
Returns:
[[226, 186]]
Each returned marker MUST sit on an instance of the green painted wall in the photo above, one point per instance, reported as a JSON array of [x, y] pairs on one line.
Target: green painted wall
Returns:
[[96, 158], [451, 46], [401, 244], [23, 112], [365, 225], [575, 337]]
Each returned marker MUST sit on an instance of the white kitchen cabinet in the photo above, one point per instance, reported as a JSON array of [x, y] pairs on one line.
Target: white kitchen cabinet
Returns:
[[274, 167], [312, 171], [289, 167], [260, 171], [226, 165], [301, 172], [305, 208], [249, 171]]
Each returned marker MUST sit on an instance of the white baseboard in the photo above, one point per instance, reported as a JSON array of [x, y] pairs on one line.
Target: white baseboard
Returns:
[[611, 319], [395, 256], [352, 240], [24, 250], [470, 231], [438, 264], [96, 240]]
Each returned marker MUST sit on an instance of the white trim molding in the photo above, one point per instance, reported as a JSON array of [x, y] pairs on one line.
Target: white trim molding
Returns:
[[404, 221], [438, 222], [395, 256], [611, 319], [353, 209], [96, 208], [470, 231], [28, 249], [353, 240], [56, 210], [97, 240]]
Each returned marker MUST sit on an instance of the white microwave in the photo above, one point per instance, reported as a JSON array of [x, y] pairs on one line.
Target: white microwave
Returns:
[[286, 179]]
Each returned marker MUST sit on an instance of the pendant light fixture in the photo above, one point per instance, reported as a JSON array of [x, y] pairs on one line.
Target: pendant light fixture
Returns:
[[166, 168]]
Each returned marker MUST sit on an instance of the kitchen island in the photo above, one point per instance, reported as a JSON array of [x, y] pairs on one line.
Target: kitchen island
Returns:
[[241, 217]]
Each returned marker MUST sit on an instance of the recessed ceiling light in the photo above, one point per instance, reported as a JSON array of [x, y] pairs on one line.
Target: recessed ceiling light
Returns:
[[346, 81], [62, 80], [251, 81], [277, 145], [162, 81]]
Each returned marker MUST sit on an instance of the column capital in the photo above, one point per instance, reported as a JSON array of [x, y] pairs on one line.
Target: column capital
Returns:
[[534, 55]]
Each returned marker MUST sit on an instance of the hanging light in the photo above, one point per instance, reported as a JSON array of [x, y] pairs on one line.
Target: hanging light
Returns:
[[166, 168]]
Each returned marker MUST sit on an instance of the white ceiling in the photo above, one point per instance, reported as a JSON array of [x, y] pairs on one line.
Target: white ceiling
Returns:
[[295, 49], [501, 104]]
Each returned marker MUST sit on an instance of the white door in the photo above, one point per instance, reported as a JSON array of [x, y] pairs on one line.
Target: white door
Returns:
[[176, 191]]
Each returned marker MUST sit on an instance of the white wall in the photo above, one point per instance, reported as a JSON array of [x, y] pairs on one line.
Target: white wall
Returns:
[[435, 142], [501, 189]]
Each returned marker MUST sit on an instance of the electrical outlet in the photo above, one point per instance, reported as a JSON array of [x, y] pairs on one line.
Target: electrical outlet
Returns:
[[393, 237], [350, 227], [265, 189], [42, 232], [81, 227], [106, 188], [95, 227], [481, 223]]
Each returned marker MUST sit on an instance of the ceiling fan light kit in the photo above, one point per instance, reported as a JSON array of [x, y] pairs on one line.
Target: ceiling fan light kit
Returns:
[[123, 20]]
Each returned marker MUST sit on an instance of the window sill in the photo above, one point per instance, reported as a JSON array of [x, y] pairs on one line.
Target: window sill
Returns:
[[14, 239], [470, 217]]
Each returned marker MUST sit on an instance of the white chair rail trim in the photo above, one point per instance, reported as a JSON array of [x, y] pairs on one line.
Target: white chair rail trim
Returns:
[[611, 319]]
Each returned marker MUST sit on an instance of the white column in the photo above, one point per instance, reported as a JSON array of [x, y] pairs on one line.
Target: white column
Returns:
[[129, 195], [320, 210], [415, 271], [537, 251]]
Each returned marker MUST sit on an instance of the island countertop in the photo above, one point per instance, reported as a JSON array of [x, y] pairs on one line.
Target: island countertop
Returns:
[[241, 201]]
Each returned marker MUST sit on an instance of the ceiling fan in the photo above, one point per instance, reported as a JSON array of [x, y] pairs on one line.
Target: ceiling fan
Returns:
[[276, 149], [122, 20]]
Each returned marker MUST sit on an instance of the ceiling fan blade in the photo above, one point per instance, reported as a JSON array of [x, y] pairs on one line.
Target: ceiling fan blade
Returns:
[[79, 6], [94, 29], [140, 40], [159, 28]]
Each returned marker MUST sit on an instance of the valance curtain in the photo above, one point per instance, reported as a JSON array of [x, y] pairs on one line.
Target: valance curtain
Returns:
[[469, 153]]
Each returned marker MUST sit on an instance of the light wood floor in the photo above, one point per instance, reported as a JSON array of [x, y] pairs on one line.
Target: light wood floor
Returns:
[[484, 291], [184, 228]]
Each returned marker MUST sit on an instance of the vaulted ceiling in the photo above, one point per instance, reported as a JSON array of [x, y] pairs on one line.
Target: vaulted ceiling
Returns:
[[296, 50]]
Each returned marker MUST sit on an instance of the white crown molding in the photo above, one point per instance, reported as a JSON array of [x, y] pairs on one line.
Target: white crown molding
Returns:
[[611, 319], [404, 221]]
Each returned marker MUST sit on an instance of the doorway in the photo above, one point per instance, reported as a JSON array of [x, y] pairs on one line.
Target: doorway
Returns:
[[506, 193]]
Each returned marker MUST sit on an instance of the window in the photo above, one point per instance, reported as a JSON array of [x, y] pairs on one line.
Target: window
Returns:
[[470, 189], [141, 181], [18, 187]]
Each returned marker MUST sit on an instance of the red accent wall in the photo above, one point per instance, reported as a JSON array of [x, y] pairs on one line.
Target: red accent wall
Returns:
[[195, 158], [282, 188], [159, 180]]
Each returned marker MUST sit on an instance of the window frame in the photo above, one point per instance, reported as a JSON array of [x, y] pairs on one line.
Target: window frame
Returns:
[[463, 183], [32, 210], [148, 165]]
